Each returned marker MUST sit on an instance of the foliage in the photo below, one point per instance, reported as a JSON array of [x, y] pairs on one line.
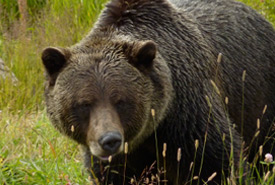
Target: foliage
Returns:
[[61, 23], [265, 7]]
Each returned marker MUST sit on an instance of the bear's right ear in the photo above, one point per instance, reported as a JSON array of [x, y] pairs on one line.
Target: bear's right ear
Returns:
[[54, 59], [141, 54]]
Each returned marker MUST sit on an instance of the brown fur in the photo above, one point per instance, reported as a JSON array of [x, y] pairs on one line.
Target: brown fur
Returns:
[[143, 55]]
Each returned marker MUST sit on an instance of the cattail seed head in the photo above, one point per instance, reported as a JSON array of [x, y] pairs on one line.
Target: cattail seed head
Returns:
[[164, 149], [196, 144], [72, 128], [244, 74], [208, 102], [226, 100], [258, 124], [110, 159], [126, 148], [191, 165], [153, 112], [264, 110], [212, 176], [257, 133], [179, 155], [219, 58], [215, 87], [261, 150]]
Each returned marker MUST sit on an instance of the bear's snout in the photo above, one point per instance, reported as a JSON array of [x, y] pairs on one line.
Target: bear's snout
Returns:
[[110, 142]]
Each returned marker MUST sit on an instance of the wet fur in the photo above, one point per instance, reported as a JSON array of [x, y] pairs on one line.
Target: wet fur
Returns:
[[189, 35]]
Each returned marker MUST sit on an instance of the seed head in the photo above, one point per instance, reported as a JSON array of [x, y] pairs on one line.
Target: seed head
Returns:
[[179, 155], [72, 128], [257, 133], [215, 87], [196, 144], [126, 148], [258, 124], [110, 159], [153, 112], [212, 176], [219, 58], [208, 102], [226, 100], [261, 150], [164, 149], [264, 110], [191, 165]]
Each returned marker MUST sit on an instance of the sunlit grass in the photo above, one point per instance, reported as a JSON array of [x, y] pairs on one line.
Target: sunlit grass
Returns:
[[32, 152], [61, 23]]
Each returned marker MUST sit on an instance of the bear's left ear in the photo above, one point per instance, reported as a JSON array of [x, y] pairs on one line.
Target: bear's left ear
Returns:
[[142, 54]]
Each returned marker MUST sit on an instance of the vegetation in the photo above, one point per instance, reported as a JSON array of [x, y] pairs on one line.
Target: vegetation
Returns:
[[31, 151]]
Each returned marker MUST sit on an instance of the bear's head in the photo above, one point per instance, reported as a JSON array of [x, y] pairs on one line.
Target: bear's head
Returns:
[[101, 93]]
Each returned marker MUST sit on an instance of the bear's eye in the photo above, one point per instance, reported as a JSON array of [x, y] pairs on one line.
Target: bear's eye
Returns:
[[83, 110], [123, 106], [85, 107], [81, 113], [120, 104]]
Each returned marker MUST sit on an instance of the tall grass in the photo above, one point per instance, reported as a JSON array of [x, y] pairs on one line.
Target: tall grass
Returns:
[[59, 23], [31, 151]]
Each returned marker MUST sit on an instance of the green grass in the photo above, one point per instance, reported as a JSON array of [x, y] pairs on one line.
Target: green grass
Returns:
[[33, 153], [31, 150], [265, 7]]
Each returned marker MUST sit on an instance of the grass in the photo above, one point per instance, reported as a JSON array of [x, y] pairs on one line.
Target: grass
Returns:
[[265, 7], [31, 150]]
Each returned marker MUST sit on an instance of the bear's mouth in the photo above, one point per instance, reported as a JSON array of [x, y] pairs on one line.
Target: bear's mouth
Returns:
[[105, 158], [103, 155]]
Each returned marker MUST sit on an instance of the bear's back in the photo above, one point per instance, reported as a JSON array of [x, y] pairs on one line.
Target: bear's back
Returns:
[[247, 42]]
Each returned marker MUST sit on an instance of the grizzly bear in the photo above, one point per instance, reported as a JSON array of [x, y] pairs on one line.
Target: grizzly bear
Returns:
[[198, 75]]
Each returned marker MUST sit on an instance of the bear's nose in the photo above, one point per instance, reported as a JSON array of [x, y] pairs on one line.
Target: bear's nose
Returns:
[[110, 142]]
